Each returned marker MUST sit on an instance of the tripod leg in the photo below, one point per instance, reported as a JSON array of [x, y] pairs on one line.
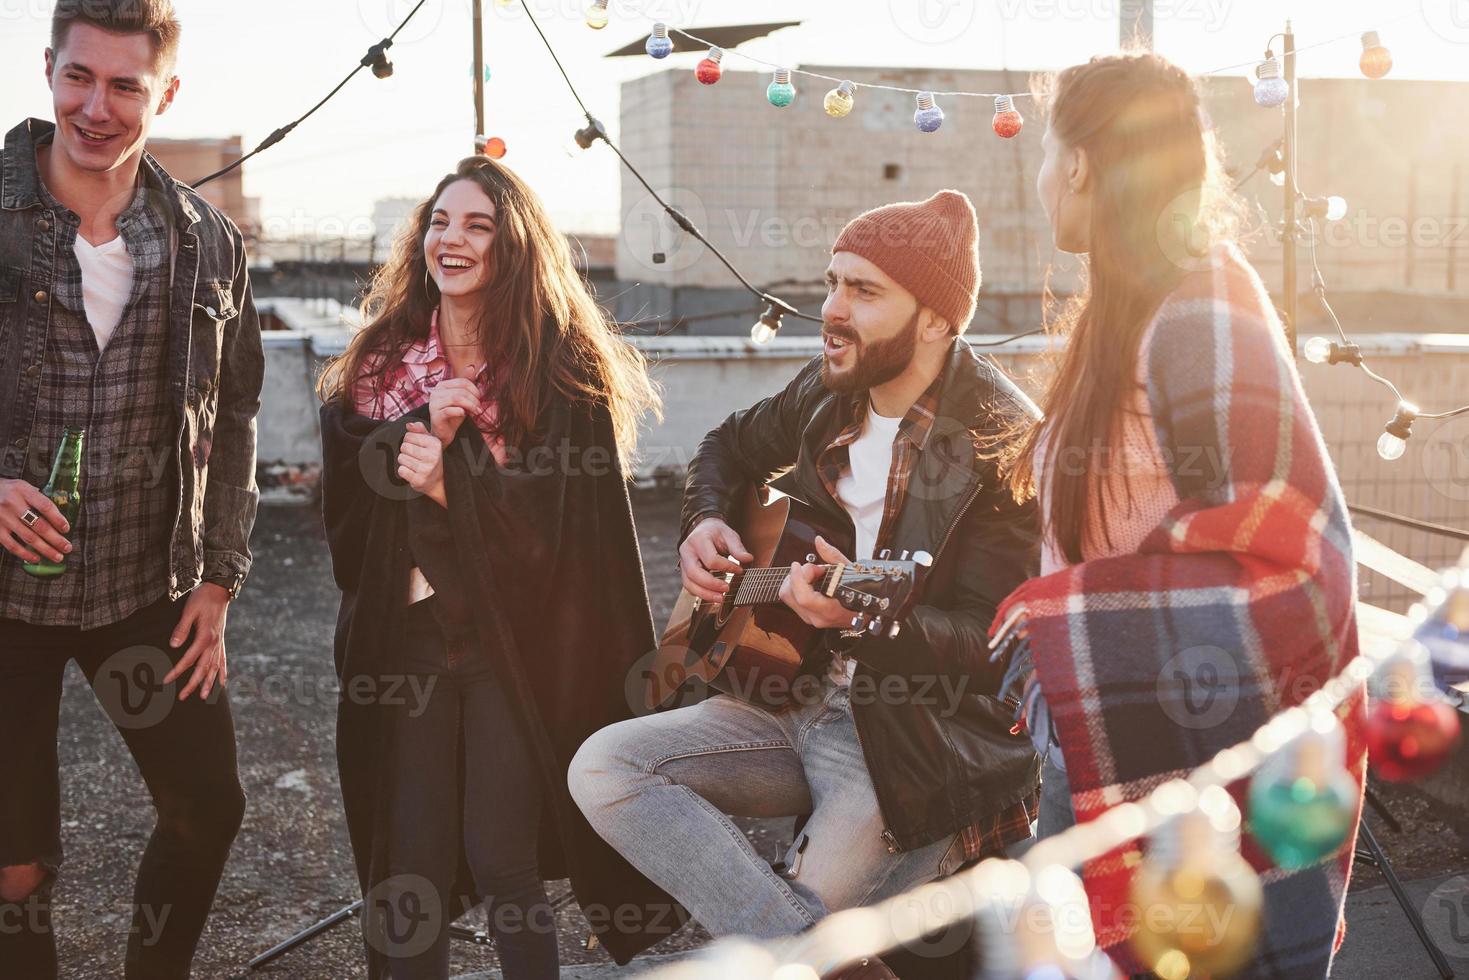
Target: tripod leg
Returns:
[[1380, 808], [306, 935], [1414, 919]]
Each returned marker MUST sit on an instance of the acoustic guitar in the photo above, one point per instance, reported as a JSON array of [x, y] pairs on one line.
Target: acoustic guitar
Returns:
[[752, 645]]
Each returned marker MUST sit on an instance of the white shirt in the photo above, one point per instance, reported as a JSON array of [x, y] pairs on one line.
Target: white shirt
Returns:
[[107, 282], [863, 492]]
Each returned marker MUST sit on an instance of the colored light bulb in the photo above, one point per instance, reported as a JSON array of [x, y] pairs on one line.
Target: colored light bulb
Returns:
[[1303, 802], [1199, 900], [597, 15], [1410, 731], [1270, 89], [709, 71], [1007, 121], [781, 92], [928, 117], [659, 45], [1318, 350], [494, 148], [1376, 59], [839, 101]]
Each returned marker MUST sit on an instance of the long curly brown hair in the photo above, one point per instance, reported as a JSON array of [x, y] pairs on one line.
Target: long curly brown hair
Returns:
[[540, 324]]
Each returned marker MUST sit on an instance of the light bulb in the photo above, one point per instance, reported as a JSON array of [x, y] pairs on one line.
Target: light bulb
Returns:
[[1007, 121], [1410, 731], [1376, 59], [1336, 208], [928, 117], [659, 46], [839, 101], [709, 70], [1199, 899], [1391, 447], [494, 148], [1303, 802], [1318, 350], [1277, 177], [597, 15], [1270, 89], [781, 92]]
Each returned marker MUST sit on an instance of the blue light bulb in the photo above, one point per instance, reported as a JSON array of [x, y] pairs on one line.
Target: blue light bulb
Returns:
[[928, 116], [1270, 90], [659, 46]]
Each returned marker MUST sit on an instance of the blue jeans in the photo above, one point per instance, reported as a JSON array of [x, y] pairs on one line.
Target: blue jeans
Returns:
[[661, 790]]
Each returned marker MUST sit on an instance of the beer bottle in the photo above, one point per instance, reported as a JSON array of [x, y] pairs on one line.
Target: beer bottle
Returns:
[[64, 490]]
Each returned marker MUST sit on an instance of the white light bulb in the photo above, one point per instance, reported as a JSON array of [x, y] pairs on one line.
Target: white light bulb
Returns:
[[1318, 350], [1278, 178], [762, 332], [1336, 208], [1390, 447]]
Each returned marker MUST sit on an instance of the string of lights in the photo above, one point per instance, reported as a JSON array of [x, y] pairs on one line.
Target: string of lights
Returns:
[[376, 58]]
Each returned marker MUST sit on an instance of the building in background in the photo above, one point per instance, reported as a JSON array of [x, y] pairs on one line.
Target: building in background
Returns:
[[189, 160], [773, 187]]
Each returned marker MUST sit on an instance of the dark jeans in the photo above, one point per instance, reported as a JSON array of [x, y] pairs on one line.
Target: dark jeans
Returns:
[[462, 772], [185, 751]]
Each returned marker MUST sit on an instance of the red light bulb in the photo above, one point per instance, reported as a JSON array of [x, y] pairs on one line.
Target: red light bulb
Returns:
[[494, 148], [1407, 740], [1007, 121], [1376, 59], [709, 70]]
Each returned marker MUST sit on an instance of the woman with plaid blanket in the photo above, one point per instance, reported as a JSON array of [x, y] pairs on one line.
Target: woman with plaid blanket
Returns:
[[1197, 574]]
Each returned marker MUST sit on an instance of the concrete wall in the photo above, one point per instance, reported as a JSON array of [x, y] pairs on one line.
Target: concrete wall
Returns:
[[705, 378]]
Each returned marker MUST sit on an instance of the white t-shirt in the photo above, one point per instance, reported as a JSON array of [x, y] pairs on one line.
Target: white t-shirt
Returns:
[[107, 282], [863, 491]]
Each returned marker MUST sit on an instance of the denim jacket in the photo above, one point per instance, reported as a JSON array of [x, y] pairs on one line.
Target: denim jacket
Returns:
[[215, 362]]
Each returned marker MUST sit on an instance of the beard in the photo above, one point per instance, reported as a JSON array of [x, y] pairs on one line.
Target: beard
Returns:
[[874, 363]]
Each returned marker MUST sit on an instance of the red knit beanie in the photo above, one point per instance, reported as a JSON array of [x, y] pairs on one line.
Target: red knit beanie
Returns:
[[930, 248]]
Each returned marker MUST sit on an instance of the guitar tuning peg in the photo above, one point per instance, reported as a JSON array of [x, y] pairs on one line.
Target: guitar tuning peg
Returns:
[[894, 630], [867, 600], [884, 554], [923, 559], [884, 603], [904, 556]]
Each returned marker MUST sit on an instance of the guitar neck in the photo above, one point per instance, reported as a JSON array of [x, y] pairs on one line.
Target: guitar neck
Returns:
[[757, 586]]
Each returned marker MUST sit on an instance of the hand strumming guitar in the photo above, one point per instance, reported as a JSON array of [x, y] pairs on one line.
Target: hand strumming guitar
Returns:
[[709, 549]]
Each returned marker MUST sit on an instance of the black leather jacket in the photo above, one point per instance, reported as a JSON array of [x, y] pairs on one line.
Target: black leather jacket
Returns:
[[941, 756]]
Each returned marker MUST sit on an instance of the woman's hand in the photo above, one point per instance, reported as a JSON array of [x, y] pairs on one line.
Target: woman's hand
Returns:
[[449, 404], [421, 462]]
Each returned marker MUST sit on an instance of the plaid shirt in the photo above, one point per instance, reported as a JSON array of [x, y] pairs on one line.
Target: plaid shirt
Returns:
[[989, 836], [119, 561], [407, 384]]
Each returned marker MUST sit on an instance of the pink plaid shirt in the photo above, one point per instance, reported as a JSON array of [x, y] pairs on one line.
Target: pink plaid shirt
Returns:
[[406, 385]]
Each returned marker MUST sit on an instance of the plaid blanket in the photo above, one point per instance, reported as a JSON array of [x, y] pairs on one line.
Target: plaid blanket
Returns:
[[1239, 604]]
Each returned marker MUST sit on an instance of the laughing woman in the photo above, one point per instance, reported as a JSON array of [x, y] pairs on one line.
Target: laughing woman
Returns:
[[1192, 521], [476, 434]]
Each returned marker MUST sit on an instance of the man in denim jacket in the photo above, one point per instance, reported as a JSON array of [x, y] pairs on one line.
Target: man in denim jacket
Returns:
[[125, 310]]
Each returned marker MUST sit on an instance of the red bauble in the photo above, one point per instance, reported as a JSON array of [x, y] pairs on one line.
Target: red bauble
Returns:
[[1409, 740], [1007, 124], [708, 71]]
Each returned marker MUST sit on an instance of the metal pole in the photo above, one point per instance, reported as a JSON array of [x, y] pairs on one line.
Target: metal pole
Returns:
[[479, 77], [1288, 210]]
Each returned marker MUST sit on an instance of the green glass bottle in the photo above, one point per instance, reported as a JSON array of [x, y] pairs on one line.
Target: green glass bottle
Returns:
[[64, 490]]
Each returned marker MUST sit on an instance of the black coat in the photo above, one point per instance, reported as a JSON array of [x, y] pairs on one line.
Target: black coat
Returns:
[[542, 556], [938, 763]]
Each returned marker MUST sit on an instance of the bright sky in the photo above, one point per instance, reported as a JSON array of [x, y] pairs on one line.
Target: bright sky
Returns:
[[248, 68]]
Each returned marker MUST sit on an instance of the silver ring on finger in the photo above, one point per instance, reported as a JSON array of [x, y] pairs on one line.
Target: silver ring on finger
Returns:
[[29, 518]]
